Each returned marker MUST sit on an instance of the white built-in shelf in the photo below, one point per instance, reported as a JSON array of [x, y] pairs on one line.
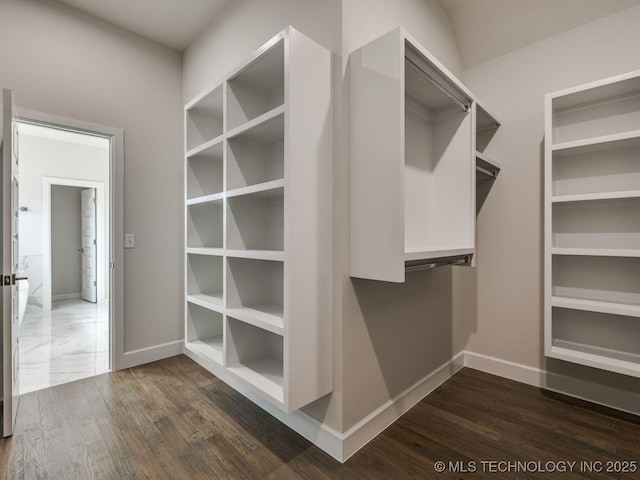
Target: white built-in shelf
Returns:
[[602, 358], [592, 225], [268, 316], [486, 167], [265, 374], [594, 144], [204, 119], [213, 300], [412, 181], [206, 149], [597, 252], [485, 120], [209, 347], [631, 310], [258, 189], [272, 255], [212, 198], [206, 251], [413, 254], [267, 128], [586, 197]]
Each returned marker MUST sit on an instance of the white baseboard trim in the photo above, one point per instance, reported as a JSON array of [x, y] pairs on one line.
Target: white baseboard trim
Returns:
[[584, 390], [66, 296], [377, 421], [342, 446], [134, 358]]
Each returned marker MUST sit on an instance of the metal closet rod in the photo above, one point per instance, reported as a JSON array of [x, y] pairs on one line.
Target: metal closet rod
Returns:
[[491, 173], [439, 262], [416, 68]]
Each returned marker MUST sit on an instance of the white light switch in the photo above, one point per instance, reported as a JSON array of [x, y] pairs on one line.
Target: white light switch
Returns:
[[129, 240]]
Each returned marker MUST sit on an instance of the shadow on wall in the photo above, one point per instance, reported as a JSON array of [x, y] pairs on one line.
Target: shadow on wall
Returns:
[[409, 325]]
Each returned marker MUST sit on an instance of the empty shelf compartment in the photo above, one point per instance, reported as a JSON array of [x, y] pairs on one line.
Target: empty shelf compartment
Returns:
[[609, 167], [256, 221], [204, 172], [255, 289], [257, 88], [598, 339], [604, 110], [204, 225], [205, 275], [612, 224], [256, 356], [256, 155], [205, 332], [204, 119]]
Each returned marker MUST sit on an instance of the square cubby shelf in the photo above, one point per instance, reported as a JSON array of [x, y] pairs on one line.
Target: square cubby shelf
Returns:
[[256, 155], [205, 119], [205, 173], [257, 88], [205, 331], [256, 221], [204, 225], [205, 278]]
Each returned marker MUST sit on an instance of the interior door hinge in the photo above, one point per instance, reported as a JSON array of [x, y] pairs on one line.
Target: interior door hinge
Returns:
[[95, 284], [7, 280]]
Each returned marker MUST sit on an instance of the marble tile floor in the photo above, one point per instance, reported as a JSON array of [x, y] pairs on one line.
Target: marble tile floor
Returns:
[[68, 343]]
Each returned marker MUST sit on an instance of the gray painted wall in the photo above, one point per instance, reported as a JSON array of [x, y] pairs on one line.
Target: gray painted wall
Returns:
[[66, 260]]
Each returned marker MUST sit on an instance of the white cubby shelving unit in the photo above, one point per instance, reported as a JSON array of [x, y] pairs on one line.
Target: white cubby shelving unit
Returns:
[[258, 224], [413, 160], [592, 224]]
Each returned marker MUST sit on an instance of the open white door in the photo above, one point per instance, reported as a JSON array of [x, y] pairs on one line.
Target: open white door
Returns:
[[89, 249], [9, 239]]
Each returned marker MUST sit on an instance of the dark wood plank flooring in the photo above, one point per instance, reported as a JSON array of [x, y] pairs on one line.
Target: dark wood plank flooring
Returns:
[[173, 420]]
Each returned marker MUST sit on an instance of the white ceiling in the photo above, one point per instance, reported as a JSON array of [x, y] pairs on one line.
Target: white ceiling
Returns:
[[173, 23], [486, 29]]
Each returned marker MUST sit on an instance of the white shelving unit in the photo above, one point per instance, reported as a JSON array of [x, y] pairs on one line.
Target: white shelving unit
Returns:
[[413, 160], [258, 189], [592, 224]]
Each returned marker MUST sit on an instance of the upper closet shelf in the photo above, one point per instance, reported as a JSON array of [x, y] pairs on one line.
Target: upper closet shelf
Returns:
[[595, 144], [595, 196], [486, 167]]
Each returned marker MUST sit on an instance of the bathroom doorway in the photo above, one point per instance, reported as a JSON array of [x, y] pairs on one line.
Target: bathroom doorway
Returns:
[[64, 247]]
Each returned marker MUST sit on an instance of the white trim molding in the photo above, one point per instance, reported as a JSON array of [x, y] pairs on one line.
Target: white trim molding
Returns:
[[154, 353]]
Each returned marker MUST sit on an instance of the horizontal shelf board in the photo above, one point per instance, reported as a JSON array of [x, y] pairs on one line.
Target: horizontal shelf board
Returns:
[[261, 121], [596, 196], [485, 120], [267, 316], [592, 356], [594, 144], [212, 198], [273, 255], [264, 374], [596, 252], [208, 347], [216, 252], [417, 253], [212, 301], [600, 306], [257, 188], [206, 145]]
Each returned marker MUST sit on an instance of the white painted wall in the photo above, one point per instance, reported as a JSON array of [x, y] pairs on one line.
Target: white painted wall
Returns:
[[66, 231], [47, 157], [502, 301], [70, 64]]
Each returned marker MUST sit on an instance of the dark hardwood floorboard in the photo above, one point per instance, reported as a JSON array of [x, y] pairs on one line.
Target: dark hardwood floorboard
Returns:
[[173, 420]]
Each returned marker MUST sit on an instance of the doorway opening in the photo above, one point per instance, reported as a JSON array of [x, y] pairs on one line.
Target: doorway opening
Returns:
[[64, 250]]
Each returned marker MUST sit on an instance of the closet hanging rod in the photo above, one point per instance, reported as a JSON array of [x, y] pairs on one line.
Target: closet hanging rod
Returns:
[[490, 173], [416, 68], [437, 262]]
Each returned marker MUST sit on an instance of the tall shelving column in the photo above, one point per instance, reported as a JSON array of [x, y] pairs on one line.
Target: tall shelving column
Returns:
[[259, 224], [592, 224]]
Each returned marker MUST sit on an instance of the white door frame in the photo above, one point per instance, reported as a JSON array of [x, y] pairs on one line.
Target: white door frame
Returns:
[[101, 235], [116, 220]]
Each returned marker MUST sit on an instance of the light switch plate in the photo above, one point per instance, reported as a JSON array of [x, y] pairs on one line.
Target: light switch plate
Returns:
[[129, 240]]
